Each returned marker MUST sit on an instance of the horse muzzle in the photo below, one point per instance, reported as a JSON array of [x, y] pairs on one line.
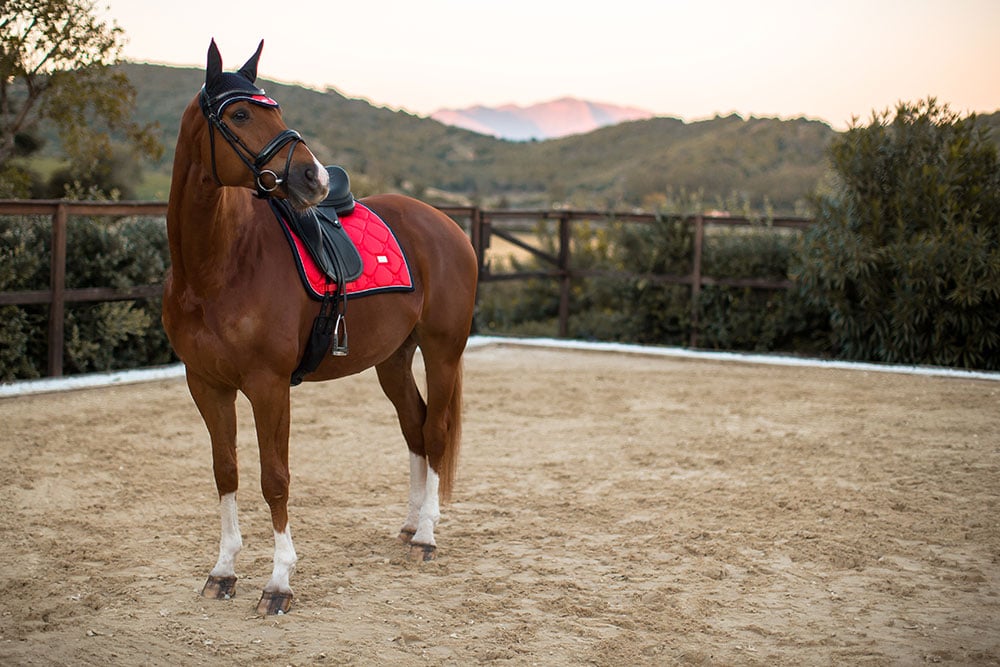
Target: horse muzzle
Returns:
[[306, 184]]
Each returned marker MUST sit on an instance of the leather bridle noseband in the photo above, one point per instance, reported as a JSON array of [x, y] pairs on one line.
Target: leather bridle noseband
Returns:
[[212, 108]]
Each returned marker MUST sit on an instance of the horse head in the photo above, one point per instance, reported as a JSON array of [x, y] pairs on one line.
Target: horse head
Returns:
[[257, 151]]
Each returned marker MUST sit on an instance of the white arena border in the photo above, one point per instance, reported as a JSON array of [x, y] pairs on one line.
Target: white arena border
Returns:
[[90, 380], [93, 380], [708, 355]]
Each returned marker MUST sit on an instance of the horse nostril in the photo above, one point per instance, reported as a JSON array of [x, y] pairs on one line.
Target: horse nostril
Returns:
[[313, 182], [314, 177], [310, 177]]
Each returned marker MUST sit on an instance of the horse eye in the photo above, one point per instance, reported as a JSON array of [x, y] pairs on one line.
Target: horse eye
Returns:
[[241, 116]]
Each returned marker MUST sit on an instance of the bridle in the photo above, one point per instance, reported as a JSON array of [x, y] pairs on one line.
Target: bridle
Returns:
[[266, 180]]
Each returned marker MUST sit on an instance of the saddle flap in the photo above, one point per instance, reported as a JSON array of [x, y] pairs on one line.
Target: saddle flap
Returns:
[[340, 252], [325, 239]]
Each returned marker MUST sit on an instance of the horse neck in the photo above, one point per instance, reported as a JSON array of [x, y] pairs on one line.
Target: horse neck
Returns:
[[203, 224]]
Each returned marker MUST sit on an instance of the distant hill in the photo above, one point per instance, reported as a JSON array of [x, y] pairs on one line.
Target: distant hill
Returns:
[[547, 120], [634, 164]]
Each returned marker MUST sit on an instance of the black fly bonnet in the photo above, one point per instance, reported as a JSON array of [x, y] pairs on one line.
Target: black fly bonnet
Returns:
[[222, 89]]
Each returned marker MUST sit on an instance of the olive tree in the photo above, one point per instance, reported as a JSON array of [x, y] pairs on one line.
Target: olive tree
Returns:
[[56, 59]]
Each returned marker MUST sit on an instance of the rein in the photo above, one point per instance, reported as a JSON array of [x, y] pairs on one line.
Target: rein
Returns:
[[254, 162]]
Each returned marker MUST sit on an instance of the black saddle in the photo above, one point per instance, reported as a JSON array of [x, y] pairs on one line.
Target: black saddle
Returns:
[[322, 234], [331, 248]]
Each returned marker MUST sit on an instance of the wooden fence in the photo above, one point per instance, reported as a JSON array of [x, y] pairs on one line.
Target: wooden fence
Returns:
[[481, 225], [485, 224]]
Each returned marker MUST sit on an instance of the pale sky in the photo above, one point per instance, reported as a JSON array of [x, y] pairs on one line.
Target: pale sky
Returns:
[[688, 59]]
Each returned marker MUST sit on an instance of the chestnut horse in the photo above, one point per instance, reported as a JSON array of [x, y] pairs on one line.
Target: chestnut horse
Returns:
[[239, 318]]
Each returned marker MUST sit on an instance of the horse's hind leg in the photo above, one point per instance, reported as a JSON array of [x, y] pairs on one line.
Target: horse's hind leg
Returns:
[[218, 408], [431, 430], [396, 378]]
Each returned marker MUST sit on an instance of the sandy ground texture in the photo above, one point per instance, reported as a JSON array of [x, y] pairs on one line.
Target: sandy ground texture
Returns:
[[611, 509]]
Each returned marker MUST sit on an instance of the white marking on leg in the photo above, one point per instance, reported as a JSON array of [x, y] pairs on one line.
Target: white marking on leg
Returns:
[[284, 562], [418, 482], [231, 541], [430, 511]]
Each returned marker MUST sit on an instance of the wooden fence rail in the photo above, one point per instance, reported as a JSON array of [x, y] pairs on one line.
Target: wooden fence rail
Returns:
[[481, 225]]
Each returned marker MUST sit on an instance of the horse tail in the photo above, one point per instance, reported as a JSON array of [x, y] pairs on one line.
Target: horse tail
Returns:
[[448, 466]]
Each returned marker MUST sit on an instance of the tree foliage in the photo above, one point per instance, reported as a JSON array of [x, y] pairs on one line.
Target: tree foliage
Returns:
[[905, 255], [56, 60]]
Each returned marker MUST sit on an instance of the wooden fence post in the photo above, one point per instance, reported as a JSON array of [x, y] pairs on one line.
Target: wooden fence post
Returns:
[[699, 237], [479, 236], [57, 307], [564, 273]]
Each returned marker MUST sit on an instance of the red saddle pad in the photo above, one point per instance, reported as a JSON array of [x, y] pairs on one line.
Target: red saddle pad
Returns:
[[385, 266]]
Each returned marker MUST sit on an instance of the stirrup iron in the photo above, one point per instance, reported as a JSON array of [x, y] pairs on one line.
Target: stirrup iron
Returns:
[[339, 349]]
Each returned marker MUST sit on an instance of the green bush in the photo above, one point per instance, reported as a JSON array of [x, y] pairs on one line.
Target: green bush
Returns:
[[612, 306], [98, 336], [640, 308], [24, 265], [905, 255], [760, 320], [528, 308], [753, 319]]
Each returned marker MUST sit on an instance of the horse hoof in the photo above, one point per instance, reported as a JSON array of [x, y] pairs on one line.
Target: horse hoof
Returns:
[[405, 535], [422, 552], [219, 588], [274, 603]]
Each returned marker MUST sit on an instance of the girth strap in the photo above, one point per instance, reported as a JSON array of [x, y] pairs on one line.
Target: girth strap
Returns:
[[325, 335]]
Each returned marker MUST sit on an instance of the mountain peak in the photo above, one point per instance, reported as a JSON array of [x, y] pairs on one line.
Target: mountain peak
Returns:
[[546, 120]]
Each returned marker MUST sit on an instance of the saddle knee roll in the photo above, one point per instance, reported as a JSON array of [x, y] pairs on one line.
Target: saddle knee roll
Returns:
[[340, 197]]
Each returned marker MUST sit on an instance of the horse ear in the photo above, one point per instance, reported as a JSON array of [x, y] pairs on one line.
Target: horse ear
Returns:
[[214, 63], [249, 69]]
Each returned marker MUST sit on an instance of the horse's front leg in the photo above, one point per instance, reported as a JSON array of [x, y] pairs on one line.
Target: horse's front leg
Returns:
[[221, 583], [270, 401], [218, 408]]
